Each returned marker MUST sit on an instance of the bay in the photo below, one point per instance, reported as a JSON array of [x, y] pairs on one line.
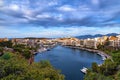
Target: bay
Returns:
[[69, 61]]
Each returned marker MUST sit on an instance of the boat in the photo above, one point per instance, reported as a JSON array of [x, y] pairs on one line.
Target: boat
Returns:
[[44, 49], [84, 70], [34, 53], [48, 49]]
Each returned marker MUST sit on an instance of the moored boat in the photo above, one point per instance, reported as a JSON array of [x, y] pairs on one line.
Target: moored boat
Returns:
[[84, 70]]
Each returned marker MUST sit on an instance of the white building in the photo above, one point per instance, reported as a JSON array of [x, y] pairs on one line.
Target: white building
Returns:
[[90, 43]]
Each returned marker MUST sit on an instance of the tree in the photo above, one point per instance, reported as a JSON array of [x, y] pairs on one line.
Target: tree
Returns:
[[17, 68], [117, 77], [108, 68], [94, 67], [116, 58], [6, 56], [26, 53], [1, 51], [96, 76], [6, 44]]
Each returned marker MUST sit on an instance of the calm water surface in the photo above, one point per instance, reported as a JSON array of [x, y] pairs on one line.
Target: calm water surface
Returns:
[[69, 61]]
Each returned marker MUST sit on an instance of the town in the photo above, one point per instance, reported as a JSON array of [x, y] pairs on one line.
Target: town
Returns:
[[43, 44], [39, 45], [113, 41]]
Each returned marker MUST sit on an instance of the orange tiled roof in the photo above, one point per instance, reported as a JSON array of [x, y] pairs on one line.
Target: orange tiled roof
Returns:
[[113, 38]]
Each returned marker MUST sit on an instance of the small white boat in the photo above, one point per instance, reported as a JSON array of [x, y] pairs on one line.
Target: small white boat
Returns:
[[42, 50], [84, 70]]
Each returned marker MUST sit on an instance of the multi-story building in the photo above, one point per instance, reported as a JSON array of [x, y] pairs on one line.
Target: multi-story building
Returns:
[[90, 43], [118, 41], [113, 41], [4, 39], [81, 43], [102, 40]]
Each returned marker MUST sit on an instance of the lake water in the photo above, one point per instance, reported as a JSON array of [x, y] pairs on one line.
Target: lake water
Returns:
[[69, 61]]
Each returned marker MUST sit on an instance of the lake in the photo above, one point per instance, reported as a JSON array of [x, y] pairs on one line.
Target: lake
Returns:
[[69, 61]]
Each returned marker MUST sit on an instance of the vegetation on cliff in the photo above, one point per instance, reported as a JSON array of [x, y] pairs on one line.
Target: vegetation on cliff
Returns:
[[16, 63], [109, 70], [15, 67]]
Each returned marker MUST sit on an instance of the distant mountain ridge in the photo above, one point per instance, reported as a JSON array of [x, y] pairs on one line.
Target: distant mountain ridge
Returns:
[[97, 35]]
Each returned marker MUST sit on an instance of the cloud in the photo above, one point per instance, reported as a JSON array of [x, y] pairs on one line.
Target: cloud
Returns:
[[53, 3], [66, 8], [14, 7], [64, 14], [45, 15], [57, 12], [95, 2], [1, 2], [55, 32]]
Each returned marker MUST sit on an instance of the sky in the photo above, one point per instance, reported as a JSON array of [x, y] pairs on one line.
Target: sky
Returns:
[[58, 18]]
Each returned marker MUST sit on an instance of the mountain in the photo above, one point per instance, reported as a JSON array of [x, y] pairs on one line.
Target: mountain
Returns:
[[97, 35], [112, 34]]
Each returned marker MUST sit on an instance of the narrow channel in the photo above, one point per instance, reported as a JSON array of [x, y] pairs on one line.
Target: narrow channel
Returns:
[[69, 61]]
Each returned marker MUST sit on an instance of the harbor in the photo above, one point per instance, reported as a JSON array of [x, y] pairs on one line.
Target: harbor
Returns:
[[69, 61]]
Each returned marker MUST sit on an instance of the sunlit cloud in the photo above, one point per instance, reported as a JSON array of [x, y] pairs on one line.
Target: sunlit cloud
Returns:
[[77, 17], [66, 8]]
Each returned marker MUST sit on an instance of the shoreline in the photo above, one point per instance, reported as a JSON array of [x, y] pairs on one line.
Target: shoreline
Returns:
[[43, 49], [101, 53]]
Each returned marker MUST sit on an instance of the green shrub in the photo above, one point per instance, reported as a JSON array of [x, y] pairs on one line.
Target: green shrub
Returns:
[[6, 56]]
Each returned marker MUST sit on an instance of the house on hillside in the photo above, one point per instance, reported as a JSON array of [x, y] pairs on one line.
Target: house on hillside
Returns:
[[113, 41], [4, 39], [102, 40], [118, 41]]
